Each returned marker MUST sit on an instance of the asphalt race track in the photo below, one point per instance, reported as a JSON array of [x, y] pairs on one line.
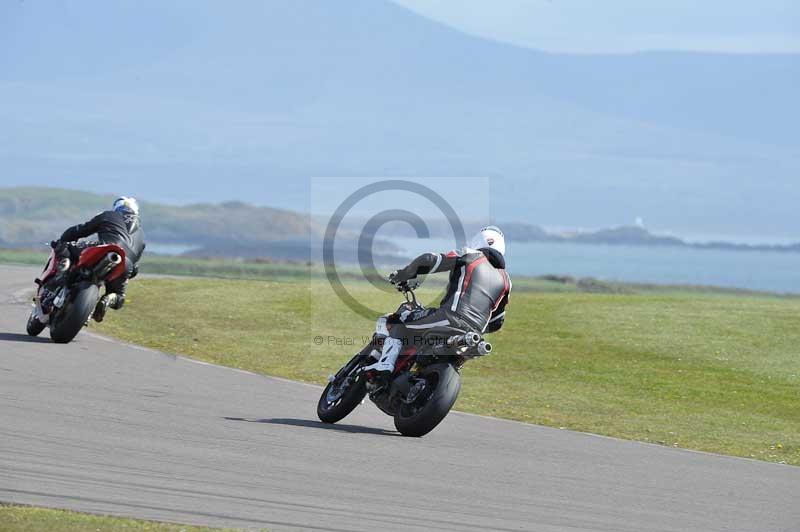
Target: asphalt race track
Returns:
[[104, 427]]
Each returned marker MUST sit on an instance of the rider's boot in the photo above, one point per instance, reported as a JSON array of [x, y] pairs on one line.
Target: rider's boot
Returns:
[[391, 350], [108, 300]]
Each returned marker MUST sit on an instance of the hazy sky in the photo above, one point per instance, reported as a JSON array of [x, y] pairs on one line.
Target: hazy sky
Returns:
[[250, 102], [600, 26]]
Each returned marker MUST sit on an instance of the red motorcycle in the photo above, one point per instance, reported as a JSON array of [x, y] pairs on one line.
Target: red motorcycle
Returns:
[[68, 292]]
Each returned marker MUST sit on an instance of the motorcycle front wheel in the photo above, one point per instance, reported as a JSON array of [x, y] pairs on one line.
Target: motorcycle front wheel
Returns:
[[70, 320], [342, 394], [418, 415], [34, 326]]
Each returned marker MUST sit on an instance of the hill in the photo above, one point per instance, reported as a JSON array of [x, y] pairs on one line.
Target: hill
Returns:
[[29, 216], [625, 235]]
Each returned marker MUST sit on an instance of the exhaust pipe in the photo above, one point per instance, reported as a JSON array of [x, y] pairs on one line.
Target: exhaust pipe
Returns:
[[108, 263], [468, 339], [472, 339], [484, 347]]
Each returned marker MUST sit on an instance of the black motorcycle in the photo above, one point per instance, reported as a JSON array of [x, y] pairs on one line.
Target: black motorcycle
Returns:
[[421, 390]]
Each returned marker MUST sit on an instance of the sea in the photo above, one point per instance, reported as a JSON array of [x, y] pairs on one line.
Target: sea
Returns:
[[752, 270], [768, 271]]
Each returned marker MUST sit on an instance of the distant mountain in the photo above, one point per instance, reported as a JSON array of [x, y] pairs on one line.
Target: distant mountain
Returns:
[[625, 235], [200, 100], [31, 216], [630, 236]]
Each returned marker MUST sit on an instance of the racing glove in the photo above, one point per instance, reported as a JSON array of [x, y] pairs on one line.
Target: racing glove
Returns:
[[399, 276]]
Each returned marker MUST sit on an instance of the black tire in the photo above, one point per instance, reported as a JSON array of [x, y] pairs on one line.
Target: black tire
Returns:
[[71, 319], [335, 404], [34, 327], [420, 417]]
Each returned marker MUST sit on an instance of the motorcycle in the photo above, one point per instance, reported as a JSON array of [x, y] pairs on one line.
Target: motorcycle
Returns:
[[423, 387], [68, 293]]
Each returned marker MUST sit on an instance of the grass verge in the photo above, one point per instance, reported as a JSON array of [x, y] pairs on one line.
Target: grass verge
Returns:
[[713, 372], [29, 519]]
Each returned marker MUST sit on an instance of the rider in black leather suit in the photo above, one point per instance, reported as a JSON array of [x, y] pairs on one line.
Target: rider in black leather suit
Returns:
[[119, 226], [476, 297]]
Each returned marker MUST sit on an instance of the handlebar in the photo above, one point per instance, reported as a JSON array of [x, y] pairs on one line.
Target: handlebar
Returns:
[[407, 286]]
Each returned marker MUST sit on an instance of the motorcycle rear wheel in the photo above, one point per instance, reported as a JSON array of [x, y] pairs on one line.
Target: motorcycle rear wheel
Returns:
[[422, 415], [71, 319]]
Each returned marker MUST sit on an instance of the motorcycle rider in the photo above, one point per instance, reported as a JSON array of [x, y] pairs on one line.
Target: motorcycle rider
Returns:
[[119, 226], [476, 297]]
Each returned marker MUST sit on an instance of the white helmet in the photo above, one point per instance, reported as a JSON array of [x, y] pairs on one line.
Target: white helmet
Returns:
[[490, 236], [126, 205]]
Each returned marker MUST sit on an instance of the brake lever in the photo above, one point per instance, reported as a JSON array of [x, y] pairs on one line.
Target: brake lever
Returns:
[[407, 286]]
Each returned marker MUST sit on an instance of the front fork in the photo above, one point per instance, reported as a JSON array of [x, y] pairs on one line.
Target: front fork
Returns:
[[56, 302], [37, 311]]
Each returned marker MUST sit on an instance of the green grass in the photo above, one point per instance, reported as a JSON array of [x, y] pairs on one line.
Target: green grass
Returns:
[[713, 372], [23, 256], [28, 519]]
